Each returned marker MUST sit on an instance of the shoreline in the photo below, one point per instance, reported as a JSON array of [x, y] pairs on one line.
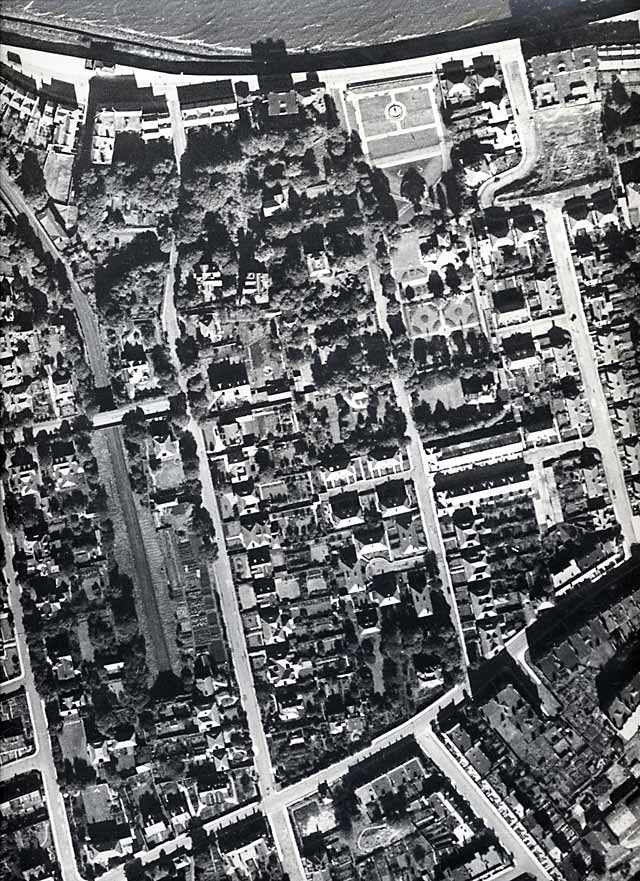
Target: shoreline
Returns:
[[173, 56], [96, 27], [180, 41]]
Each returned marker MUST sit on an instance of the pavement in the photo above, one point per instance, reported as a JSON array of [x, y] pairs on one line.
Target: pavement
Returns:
[[15, 201], [603, 436], [422, 478], [42, 759], [179, 136], [515, 79], [526, 860]]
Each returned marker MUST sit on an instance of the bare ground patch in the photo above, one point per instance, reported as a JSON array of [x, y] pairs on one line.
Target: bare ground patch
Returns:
[[571, 150]]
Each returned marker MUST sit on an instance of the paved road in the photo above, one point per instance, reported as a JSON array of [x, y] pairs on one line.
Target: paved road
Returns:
[[515, 79], [177, 125], [150, 406], [222, 566], [469, 789], [180, 841], [603, 435], [280, 825], [303, 788], [234, 627], [14, 199], [42, 759], [423, 480], [286, 844]]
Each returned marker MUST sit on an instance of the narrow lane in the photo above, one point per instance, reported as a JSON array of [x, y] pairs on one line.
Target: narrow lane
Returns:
[[423, 480], [179, 136]]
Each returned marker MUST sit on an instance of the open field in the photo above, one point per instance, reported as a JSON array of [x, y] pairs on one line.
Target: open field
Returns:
[[571, 150]]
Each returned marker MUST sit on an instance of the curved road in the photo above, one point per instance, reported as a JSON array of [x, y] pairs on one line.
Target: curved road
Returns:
[[16, 202], [42, 760], [515, 78], [13, 197], [274, 803]]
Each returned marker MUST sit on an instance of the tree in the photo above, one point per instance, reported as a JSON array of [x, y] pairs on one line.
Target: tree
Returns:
[[199, 836], [435, 283], [262, 458], [134, 423], [309, 163], [188, 448], [331, 113], [451, 277], [39, 304], [389, 669], [439, 412], [619, 94], [31, 179], [617, 243], [161, 361], [420, 350], [134, 870], [187, 350], [413, 186]]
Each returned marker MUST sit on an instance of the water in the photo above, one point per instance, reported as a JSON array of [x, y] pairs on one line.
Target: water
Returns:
[[234, 24]]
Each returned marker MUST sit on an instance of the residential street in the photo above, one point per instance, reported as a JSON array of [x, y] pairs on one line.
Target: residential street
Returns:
[[42, 759], [603, 436], [280, 826], [525, 859], [17, 204], [302, 788], [222, 566], [515, 79], [423, 481]]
